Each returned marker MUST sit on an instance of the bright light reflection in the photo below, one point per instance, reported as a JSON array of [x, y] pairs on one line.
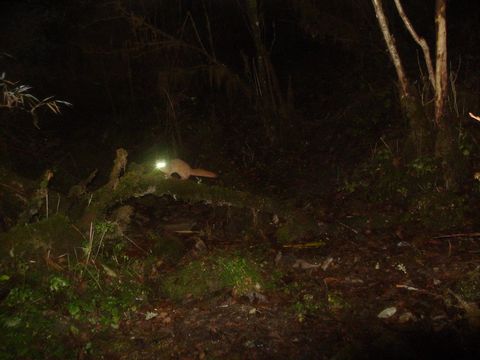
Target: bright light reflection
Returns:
[[160, 164]]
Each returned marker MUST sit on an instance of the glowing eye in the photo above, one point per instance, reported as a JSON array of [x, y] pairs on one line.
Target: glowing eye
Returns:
[[160, 164]]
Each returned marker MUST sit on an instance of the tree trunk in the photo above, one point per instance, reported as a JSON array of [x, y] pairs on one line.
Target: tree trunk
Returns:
[[420, 138], [446, 148]]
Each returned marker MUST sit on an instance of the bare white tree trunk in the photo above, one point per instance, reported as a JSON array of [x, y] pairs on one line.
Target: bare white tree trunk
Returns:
[[441, 74], [392, 49], [420, 133], [419, 40], [446, 147]]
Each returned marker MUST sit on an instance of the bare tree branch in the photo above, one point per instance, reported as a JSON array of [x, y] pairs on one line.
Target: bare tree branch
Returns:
[[392, 49], [419, 40]]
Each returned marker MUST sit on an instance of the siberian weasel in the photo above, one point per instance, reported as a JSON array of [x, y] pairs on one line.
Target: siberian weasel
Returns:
[[180, 167]]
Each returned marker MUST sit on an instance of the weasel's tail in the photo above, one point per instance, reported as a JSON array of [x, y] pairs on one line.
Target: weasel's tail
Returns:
[[203, 173]]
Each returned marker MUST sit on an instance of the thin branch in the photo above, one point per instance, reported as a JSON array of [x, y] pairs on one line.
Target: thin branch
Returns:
[[419, 40], [392, 49], [209, 28], [462, 235]]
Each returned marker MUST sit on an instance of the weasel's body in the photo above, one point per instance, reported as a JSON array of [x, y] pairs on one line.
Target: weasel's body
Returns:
[[180, 167]]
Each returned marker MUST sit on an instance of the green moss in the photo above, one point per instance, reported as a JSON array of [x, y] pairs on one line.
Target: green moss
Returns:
[[25, 329], [39, 316], [193, 280], [139, 182], [168, 247], [55, 232], [469, 287], [336, 301], [202, 277], [307, 305], [239, 274]]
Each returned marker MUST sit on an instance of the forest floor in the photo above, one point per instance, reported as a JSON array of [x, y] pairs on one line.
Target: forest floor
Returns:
[[374, 295], [193, 280], [345, 293]]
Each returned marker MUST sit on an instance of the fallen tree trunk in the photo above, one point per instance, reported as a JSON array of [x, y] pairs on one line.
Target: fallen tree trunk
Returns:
[[138, 183]]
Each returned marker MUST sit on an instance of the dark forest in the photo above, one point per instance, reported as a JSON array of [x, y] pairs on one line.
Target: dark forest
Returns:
[[239, 179]]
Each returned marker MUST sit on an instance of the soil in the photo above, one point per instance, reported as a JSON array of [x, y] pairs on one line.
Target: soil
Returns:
[[329, 311]]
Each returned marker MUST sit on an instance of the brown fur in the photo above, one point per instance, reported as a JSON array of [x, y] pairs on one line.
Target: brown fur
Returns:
[[180, 167]]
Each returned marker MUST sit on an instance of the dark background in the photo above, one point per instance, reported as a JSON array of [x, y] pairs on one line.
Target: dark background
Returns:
[[130, 89], [326, 167]]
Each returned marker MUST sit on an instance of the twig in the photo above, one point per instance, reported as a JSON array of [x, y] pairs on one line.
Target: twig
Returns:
[[422, 291], [134, 243], [419, 40], [348, 227], [46, 203], [58, 203], [90, 243], [473, 235], [15, 191], [78, 230]]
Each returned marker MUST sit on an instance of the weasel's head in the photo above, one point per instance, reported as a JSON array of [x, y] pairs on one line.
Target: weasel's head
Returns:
[[160, 164]]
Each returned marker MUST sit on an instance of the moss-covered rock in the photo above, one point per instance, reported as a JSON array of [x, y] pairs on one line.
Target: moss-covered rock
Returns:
[[55, 233], [237, 274], [297, 227]]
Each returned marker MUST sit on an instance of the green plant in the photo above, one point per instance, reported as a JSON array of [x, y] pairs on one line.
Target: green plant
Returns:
[[26, 331], [44, 308], [423, 166], [201, 277], [239, 274], [194, 279], [336, 302], [465, 143], [58, 283], [306, 306], [469, 286], [13, 96]]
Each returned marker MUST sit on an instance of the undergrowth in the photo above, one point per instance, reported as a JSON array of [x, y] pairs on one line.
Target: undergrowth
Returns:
[[412, 190], [45, 313], [214, 273]]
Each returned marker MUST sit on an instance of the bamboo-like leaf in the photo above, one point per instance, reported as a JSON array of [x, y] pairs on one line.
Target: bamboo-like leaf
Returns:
[[19, 97], [48, 99], [66, 103], [30, 96], [54, 107], [22, 88]]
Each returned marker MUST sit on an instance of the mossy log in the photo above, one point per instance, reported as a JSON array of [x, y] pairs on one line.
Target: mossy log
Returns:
[[137, 183]]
